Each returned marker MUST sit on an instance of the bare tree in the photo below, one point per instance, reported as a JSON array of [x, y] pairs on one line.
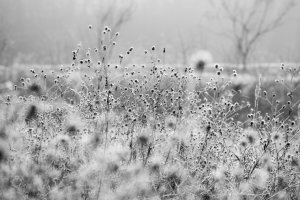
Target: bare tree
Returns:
[[184, 49], [4, 40], [3, 47], [251, 21], [5, 43]]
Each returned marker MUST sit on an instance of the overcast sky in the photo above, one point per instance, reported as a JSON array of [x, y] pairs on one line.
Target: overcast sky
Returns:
[[158, 21], [49, 29]]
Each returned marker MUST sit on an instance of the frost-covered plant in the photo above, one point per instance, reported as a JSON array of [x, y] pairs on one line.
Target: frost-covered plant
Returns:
[[104, 130]]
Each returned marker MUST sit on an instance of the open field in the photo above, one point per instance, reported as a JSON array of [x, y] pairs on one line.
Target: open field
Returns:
[[152, 132], [149, 100]]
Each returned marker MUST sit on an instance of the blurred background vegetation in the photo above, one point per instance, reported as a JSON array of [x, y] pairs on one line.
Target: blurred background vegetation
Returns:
[[46, 32]]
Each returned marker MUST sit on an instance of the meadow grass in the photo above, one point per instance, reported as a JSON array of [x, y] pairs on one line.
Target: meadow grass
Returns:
[[97, 130]]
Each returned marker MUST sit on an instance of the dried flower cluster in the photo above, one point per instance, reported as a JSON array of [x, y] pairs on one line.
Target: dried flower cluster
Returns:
[[115, 131]]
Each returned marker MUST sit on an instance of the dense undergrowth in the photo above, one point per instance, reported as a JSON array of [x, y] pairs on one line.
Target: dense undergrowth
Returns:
[[97, 130]]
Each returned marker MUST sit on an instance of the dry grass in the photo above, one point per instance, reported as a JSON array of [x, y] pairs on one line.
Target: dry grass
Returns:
[[94, 131]]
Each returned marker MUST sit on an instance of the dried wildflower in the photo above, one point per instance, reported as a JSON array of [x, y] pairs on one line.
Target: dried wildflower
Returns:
[[205, 196], [3, 134], [252, 123], [173, 180], [171, 124], [208, 128], [3, 152], [32, 114], [276, 136], [250, 139], [281, 183], [35, 88], [293, 123], [154, 167], [243, 144], [295, 162], [142, 140], [72, 130], [112, 167], [200, 60], [63, 140]]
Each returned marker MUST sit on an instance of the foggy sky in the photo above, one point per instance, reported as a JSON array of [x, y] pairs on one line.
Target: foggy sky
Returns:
[[47, 31]]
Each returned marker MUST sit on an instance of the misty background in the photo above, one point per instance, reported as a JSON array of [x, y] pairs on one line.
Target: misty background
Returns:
[[46, 31]]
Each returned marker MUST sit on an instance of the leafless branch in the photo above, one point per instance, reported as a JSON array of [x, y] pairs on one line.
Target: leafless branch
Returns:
[[250, 22]]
